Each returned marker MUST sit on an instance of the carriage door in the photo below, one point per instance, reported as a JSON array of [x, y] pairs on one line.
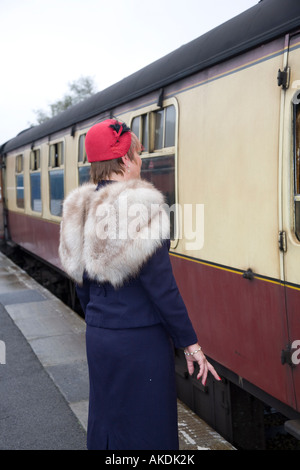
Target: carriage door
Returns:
[[289, 234]]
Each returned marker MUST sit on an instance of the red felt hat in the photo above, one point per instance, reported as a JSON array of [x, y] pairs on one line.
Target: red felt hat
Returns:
[[107, 140]]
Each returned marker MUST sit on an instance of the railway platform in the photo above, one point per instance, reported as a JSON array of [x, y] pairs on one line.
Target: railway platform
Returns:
[[44, 375]]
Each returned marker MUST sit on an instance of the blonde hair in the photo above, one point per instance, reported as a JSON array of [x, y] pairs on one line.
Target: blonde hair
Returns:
[[103, 170]]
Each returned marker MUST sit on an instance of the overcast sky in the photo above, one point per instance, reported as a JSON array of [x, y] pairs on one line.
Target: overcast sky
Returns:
[[46, 44]]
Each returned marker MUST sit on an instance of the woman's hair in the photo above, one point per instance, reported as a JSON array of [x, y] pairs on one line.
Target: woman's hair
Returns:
[[103, 170]]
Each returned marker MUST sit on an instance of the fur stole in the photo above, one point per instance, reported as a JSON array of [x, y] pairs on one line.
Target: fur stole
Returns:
[[110, 233]]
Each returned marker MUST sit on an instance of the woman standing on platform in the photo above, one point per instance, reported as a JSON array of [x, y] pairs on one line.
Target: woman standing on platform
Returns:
[[114, 243]]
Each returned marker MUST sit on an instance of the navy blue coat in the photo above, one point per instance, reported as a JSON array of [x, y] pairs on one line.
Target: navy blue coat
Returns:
[[133, 403], [151, 298]]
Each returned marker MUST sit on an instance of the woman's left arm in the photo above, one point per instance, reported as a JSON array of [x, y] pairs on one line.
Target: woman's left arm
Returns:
[[158, 280]]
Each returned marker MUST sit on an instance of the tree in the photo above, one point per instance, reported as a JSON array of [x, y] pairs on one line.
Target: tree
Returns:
[[79, 90]]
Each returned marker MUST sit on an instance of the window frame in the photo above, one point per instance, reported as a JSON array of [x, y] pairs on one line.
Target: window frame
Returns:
[[296, 164], [34, 171], [56, 158], [164, 151], [19, 171], [59, 165], [84, 162]]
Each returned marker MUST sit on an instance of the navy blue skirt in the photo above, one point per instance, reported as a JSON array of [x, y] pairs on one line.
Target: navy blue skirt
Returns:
[[133, 403]]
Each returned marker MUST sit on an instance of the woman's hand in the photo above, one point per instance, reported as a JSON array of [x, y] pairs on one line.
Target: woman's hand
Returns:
[[193, 353]]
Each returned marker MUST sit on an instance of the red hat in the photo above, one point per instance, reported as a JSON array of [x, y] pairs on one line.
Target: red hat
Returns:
[[107, 140]]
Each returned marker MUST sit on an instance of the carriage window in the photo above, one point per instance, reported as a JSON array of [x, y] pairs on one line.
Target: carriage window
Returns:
[[19, 164], [56, 177], [139, 127], [165, 128], [135, 126], [145, 136], [35, 160], [56, 191], [83, 165], [170, 119], [159, 129], [160, 171], [161, 132], [297, 166], [56, 155], [35, 181], [19, 182], [156, 130]]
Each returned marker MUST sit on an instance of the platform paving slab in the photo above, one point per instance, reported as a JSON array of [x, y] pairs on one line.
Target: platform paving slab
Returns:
[[34, 415]]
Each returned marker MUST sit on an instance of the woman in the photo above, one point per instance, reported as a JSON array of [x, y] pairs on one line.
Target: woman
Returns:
[[114, 243]]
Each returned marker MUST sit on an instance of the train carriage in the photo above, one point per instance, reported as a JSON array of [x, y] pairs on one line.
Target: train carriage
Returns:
[[219, 119]]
